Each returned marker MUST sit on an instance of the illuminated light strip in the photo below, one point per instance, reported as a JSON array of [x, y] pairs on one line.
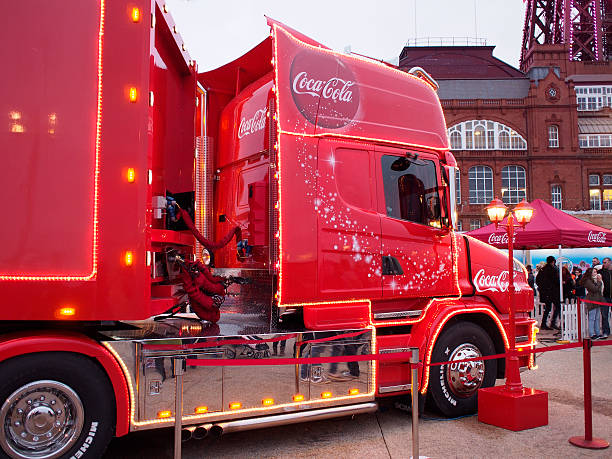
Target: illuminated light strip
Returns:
[[427, 358], [277, 143], [195, 417], [373, 140], [94, 268]]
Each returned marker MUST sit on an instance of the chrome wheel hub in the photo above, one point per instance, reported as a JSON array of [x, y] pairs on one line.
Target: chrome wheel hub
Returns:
[[464, 378], [42, 419]]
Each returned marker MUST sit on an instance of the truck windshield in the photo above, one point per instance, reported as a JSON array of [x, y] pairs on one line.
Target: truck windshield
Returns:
[[411, 190]]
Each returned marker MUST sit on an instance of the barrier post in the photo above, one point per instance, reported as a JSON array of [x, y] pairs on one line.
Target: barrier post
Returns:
[[179, 369], [588, 441], [414, 387]]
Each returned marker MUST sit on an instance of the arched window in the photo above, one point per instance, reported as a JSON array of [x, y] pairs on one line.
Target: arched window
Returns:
[[481, 184], [455, 140], [485, 135], [513, 184], [553, 136]]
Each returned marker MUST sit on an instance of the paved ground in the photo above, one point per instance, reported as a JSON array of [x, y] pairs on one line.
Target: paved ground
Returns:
[[387, 434]]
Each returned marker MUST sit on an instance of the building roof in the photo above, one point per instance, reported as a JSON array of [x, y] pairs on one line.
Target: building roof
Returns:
[[458, 62], [483, 89], [602, 78], [600, 125]]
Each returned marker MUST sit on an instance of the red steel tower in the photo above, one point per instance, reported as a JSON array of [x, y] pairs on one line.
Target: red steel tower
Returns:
[[583, 26]]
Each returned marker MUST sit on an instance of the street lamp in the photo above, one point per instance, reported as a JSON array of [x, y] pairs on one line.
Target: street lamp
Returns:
[[512, 406], [522, 213]]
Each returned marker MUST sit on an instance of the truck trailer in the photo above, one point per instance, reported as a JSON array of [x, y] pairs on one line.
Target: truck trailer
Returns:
[[333, 169]]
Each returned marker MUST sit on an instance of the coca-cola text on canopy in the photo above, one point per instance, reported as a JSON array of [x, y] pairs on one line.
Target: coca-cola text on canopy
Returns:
[[596, 237], [324, 89]]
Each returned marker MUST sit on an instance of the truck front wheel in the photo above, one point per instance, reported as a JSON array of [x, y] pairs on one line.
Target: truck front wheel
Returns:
[[54, 405], [454, 387]]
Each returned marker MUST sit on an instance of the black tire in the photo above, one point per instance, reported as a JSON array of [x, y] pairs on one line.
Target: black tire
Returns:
[[454, 388], [89, 418]]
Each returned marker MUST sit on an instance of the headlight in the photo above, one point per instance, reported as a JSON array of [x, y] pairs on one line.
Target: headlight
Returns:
[[205, 257]]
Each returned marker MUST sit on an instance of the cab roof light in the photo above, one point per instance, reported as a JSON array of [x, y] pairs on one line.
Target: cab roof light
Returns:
[[130, 175]]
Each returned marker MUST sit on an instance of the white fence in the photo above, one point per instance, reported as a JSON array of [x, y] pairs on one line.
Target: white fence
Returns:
[[569, 319]]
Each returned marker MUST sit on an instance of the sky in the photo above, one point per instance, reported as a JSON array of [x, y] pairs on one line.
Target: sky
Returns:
[[216, 32]]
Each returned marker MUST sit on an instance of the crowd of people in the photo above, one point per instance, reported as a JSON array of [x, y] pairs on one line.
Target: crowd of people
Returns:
[[592, 286]]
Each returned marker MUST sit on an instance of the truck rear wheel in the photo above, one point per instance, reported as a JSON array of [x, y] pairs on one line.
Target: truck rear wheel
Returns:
[[454, 387], [54, 405]]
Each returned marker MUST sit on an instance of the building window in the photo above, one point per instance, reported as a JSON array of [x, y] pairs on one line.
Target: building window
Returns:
[[591, 98], [594, 180], [458, 187], [485, 135], [607, 179], [553, 136], [455, 140], [595, 140], [607, 199], [595, 198], [411, 190], [459, 225], [556, 198], [513, 184], [474, 224], [481, 184]]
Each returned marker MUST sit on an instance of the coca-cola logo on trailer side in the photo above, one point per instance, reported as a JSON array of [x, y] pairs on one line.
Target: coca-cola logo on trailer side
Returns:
[[252, 124], [324, 89], [596, 237]]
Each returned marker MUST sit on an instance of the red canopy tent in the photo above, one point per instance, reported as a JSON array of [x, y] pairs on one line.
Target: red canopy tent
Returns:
[[549, 228]]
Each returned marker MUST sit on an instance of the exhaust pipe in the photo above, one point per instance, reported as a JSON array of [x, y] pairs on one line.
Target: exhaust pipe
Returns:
[[201, 431], [187, 433], [292, 418]]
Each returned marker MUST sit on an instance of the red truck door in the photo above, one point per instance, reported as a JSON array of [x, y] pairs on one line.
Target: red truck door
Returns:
[[416, 249], [348, 221]]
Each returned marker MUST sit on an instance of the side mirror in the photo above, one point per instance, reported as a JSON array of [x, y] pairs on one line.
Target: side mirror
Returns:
[[451, 193]]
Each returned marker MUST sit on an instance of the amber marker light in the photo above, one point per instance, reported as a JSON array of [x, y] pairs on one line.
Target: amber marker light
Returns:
[[128, 258], [66, 311], [298, 398], [326, 394], [164, 414], [133, 94], [130, 175], [353, 391], [201, 410], [235, 406], [267, 402], [135, 14]]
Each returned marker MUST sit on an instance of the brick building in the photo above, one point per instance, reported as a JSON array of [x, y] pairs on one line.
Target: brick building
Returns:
[[544, 133]]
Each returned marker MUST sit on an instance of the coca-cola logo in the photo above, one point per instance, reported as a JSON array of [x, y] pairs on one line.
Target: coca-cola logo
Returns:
[[501, 238], [491, 282], [596, 237], [324, 89], [255, 123]]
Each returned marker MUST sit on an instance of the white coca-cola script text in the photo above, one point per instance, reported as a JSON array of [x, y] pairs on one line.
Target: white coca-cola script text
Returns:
[[596, 237], [255, 123], [500, 238], [492, 283], [335, 89]]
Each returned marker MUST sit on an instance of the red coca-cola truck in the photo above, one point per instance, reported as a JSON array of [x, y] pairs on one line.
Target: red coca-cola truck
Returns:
[[336, 168]]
